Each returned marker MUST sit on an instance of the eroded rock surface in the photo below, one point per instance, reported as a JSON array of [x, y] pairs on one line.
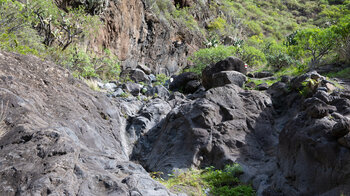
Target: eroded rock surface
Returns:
[[59, 137]]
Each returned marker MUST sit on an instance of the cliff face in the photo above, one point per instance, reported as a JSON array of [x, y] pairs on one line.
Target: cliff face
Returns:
[[138, 35]]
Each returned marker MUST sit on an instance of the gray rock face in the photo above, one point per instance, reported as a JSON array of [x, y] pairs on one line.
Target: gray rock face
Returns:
[[229, 64], [212, 130], [59, 137]]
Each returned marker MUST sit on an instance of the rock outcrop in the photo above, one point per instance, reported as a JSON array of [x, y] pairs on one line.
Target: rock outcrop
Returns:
[[59, 137], [228, 71]]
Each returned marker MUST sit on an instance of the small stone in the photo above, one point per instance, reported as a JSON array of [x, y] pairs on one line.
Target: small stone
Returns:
[[118, 92], [110, 86], [330, 87], [152, 78]]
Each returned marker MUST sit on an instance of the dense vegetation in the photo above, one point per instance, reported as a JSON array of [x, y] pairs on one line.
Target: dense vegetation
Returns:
[[279, 34], [209, 180], [40, 28], [273, 33]]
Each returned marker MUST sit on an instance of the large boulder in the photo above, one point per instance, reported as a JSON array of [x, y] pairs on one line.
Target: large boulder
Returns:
[[136, 75], [225, 125], [228, 64], [227, 77], [179, 82]]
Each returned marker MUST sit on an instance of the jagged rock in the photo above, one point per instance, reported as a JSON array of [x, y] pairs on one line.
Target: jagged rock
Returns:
[[147, 118], [179, 82], [213, 130], [192, 86], [62, 138], [229, 64], [323, 95], [263, 86], [132, 88], [341, 128], [144, 68], [263, 74]]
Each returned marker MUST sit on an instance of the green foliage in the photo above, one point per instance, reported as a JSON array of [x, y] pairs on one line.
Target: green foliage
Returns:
[[345, 73], [217, 182], [161, 79], [314, 43], [16, 34], [207, 56], [218, 24], [277, 56], [251, 55]]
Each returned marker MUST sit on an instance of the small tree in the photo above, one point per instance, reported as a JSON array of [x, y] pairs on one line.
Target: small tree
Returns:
[[314, 42]]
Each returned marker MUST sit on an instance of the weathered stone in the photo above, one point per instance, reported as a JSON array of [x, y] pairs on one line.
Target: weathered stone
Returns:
[[136, 75], [345, 141], [192, 86], [62, 138], [180, 81], [341, 128], [144, 68], [132, 88], [227, 77], [229, 64]]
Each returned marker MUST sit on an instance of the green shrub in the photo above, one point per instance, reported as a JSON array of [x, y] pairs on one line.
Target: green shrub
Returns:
[[161, 79], [252, 55], [207, 56], [218, 24], [219, 182]]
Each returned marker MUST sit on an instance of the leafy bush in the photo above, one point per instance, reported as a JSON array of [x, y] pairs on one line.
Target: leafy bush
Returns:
[[210, 181], [252, 55], [218, 24], [207, 56], [90, 65], [277, 55], [16, 34], [314, 43], [161, 79]]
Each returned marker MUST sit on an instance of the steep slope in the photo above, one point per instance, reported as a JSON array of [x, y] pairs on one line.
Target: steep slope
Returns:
[[59, 137]]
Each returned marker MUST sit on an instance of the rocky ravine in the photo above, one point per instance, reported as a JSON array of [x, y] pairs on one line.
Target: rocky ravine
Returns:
[[59, 137]]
